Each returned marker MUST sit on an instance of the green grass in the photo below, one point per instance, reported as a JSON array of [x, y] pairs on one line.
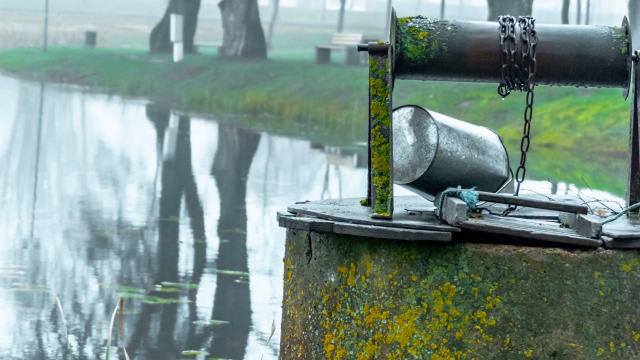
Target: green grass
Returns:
[[577, 133]]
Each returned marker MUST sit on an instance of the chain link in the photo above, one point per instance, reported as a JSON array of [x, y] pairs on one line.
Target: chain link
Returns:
[[508, 44], [514, 79]]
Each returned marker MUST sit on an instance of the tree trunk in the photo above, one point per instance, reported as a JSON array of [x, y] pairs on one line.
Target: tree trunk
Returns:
[[634, 19], [565, 11], [160, 39], [274, 17], [586, 22], [508, 7], [578, 12], [242, 31], [324, 10], [442, 10], [341, 16]]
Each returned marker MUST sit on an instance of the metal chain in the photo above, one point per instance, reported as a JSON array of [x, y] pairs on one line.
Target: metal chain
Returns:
[[529, 65], [522, 81], [508, 44]]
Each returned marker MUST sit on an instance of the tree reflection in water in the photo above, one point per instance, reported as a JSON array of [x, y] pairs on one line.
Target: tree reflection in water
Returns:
[[236, 148], [117, 205]]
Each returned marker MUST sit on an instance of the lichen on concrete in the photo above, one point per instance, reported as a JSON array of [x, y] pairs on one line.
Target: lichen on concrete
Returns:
[[363, 298]]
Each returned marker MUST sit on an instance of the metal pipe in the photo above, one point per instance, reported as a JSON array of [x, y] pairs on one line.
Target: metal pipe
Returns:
[[567, 55]]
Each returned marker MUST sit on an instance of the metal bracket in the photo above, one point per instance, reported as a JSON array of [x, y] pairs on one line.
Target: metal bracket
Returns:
[[633, 178], [380, 176]]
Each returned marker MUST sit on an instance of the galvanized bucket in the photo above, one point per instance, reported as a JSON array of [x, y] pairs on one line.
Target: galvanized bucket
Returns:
[[432, 152]]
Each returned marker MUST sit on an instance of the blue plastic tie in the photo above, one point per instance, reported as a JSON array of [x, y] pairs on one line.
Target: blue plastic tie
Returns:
[[469, 196]]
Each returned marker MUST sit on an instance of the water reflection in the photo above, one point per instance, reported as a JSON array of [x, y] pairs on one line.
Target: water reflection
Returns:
[[236, 149], [102, 196]]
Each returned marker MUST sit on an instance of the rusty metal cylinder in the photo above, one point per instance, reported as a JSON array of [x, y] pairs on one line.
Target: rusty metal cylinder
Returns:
[[567, 55]]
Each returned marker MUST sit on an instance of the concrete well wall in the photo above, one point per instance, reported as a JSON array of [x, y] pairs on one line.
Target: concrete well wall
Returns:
[[349, 297]]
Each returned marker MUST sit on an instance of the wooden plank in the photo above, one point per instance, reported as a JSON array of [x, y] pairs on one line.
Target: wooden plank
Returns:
[[528, 229], [347, 36], [331, 47], [626, 227], [390, 233], [346, 39], [208, 43], [303, 223], [532, 203], [611, 243], [349, 40], [350, 210]]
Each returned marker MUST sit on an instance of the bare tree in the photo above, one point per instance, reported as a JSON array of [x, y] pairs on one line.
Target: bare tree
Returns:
[[565, 11], [274, 17], [341, 16], [508, 7], [587, 13], [579, 12], [242, 31], [160, 39]]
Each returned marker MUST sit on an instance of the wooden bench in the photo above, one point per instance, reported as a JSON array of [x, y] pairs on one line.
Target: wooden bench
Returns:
[[340, 41], [201, 44]]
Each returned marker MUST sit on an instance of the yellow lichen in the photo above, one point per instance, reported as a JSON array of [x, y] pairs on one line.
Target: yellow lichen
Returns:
[[351, 281]]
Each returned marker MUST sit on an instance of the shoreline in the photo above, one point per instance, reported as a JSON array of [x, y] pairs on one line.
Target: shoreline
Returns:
[[575, 131]]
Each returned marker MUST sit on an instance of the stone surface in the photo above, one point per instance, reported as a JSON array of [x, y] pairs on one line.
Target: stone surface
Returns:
[[349, 297]]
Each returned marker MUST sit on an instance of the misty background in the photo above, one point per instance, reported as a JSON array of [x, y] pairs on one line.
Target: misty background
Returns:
[[127, 23]]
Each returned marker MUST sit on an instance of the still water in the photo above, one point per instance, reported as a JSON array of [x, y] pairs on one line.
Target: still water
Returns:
[[103, 197]]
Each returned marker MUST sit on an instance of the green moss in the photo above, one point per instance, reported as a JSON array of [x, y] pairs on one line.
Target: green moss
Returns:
[[420, 39]]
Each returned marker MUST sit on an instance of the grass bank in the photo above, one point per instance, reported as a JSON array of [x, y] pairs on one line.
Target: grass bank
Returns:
[[329, 103]]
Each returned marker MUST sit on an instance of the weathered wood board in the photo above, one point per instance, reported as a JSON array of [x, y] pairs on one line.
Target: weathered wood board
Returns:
[[415, 220], [627, 227], [350, 210], [291, 221]]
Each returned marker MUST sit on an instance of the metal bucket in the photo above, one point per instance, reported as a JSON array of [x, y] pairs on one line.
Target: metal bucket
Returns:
[[432, 152]]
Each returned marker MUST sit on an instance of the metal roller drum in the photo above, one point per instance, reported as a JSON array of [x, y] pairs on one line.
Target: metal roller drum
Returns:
[[567, 55], [432, 152]]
